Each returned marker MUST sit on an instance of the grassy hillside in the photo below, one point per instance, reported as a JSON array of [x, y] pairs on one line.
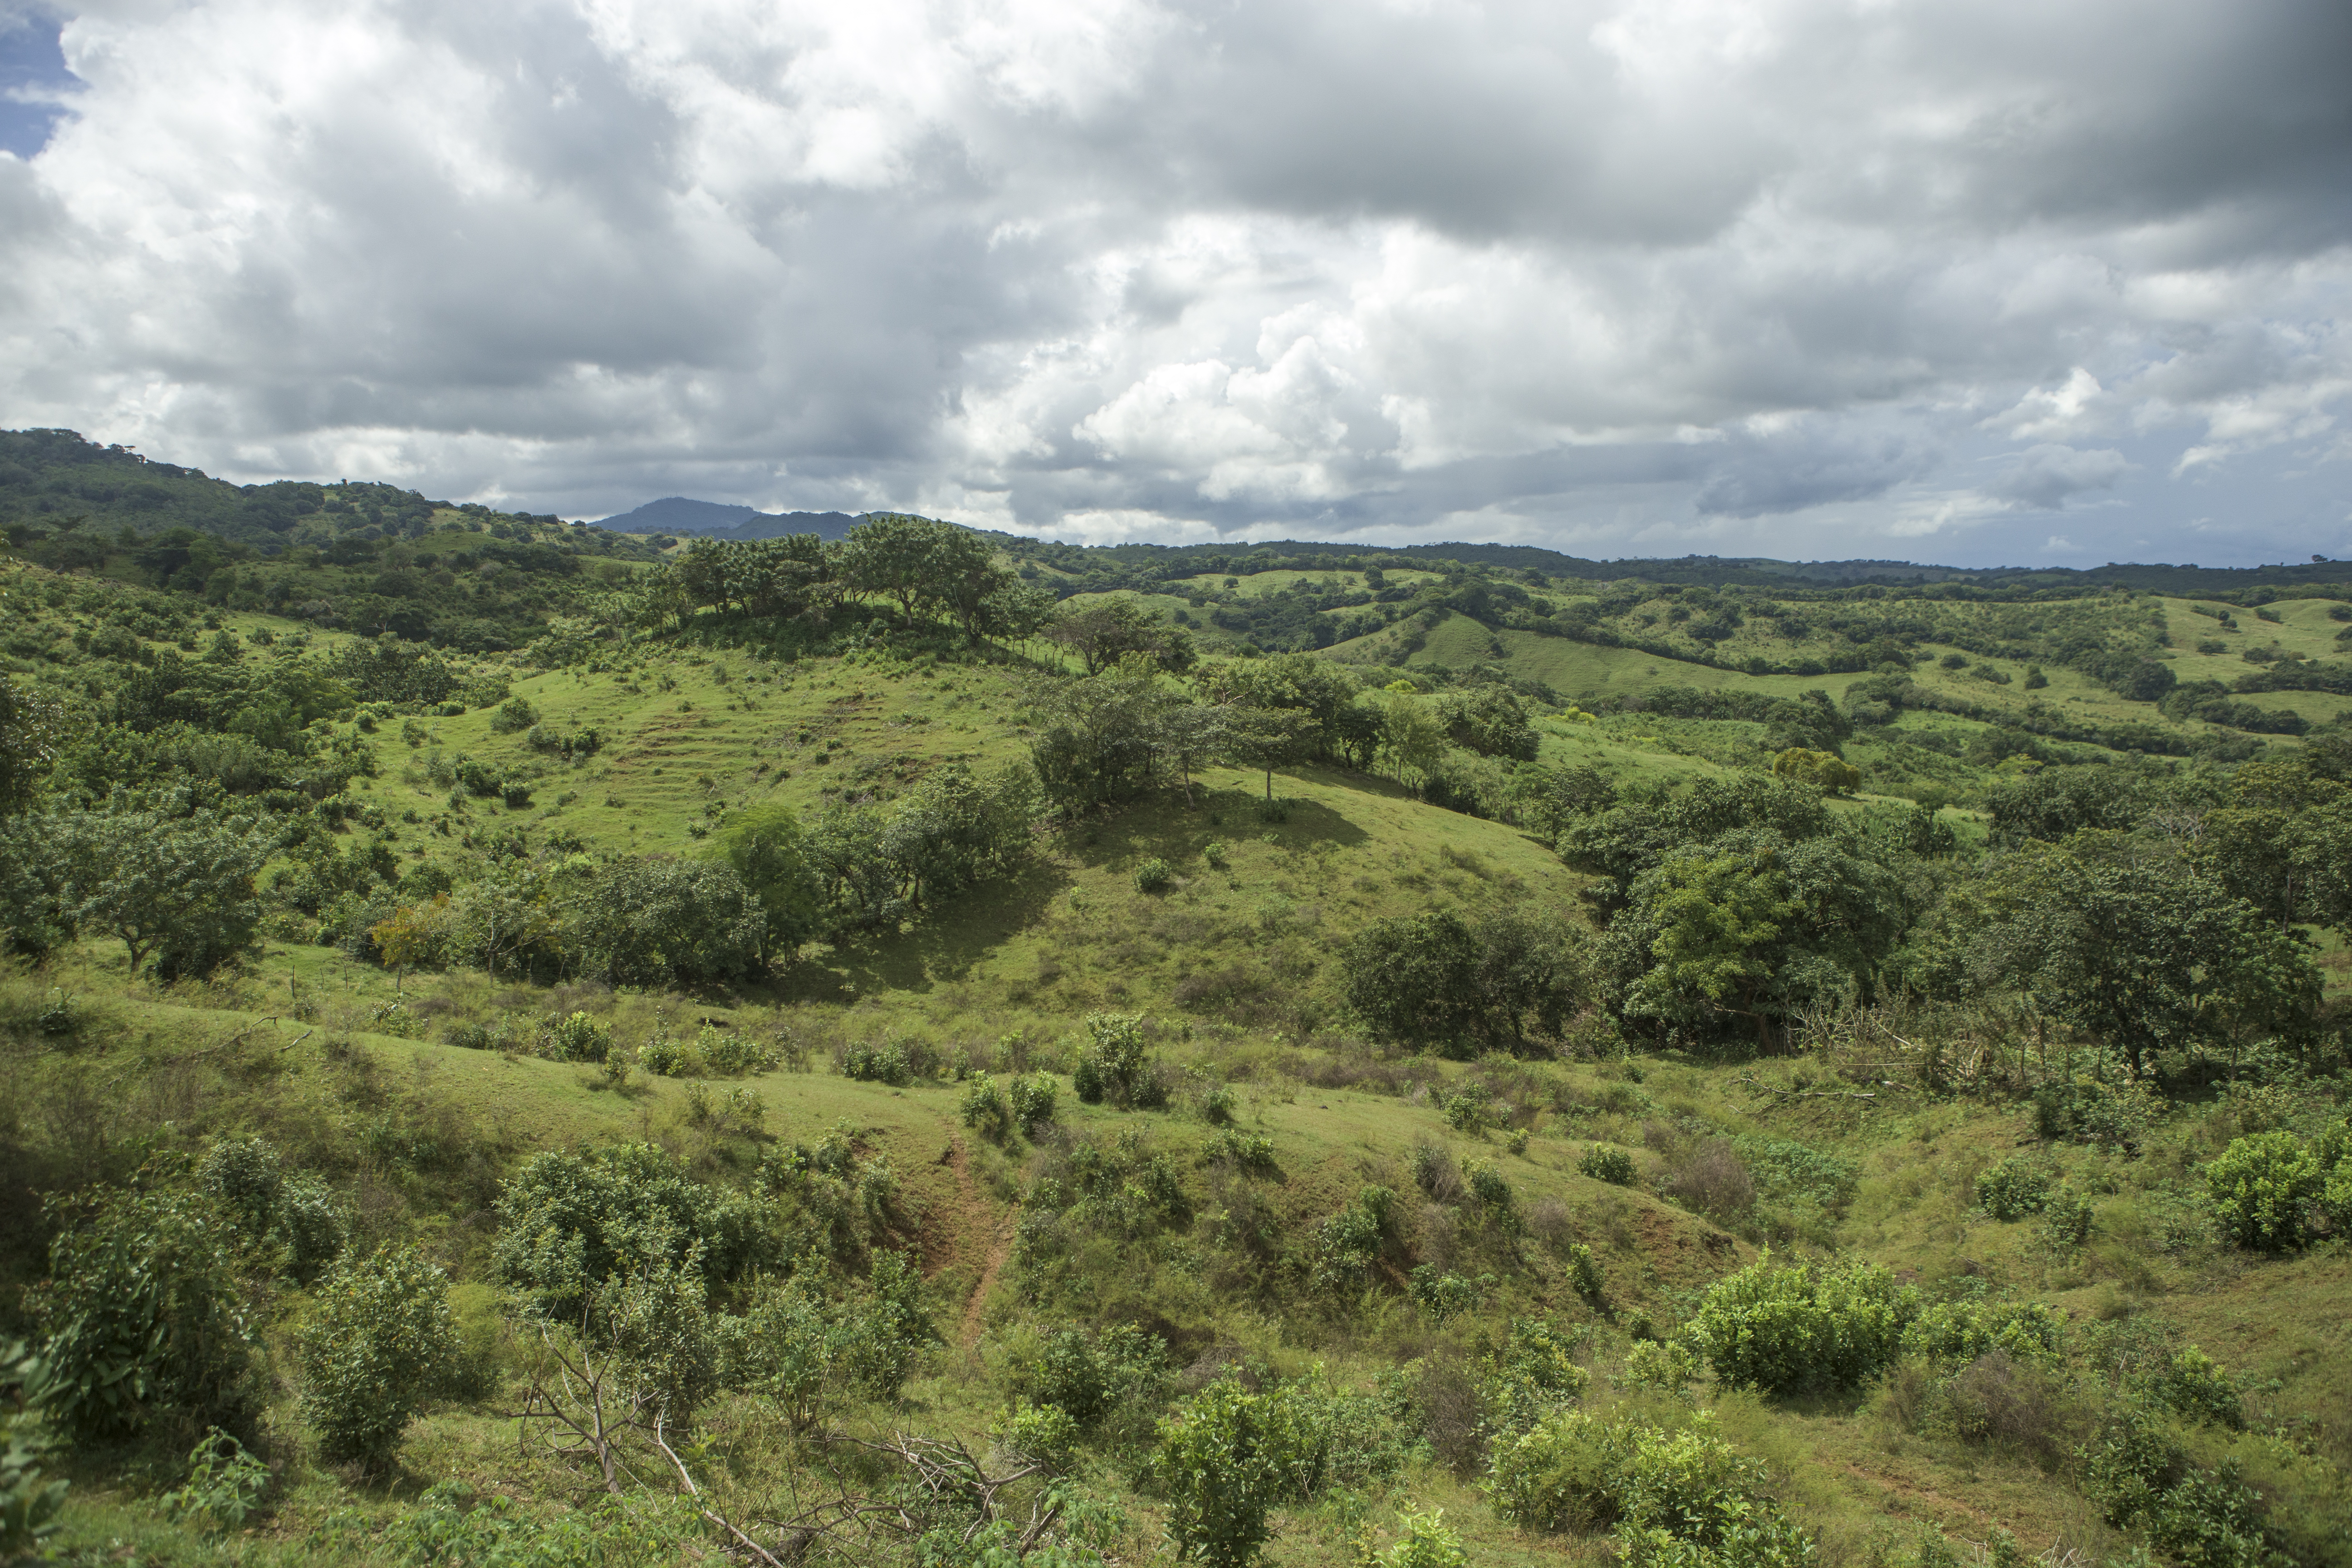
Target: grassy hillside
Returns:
[[1599, 1182]]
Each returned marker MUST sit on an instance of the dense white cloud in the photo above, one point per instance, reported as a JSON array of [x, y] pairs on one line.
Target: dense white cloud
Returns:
[[1798, 276]]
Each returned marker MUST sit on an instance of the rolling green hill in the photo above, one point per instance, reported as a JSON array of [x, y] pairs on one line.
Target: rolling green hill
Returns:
[[1438, 1074]]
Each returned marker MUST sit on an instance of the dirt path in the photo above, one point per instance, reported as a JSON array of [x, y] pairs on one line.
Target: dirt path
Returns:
[[974, 1216]]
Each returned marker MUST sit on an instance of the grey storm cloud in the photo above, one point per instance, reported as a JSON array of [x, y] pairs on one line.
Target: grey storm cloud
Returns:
[[1784, 274], [2048, 475]]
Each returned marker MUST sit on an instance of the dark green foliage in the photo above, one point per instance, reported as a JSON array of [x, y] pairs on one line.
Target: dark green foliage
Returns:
[[30, 1506], [2053, 803], [179, 889], [773, 859], [654, 922], [514, 714], [1106, 633], [1354, 1240], [2135, 947], [569, 1222], [1442, 1294], [1530, 1374], [29, 729], [1154, 875], [1784, 1327], [2142, 1479], [294, 1214], [378, 1342], [142, 1314], [1112, 1381], [1114, 1064], [1436, 980], [1752, 929], [1489, 721]]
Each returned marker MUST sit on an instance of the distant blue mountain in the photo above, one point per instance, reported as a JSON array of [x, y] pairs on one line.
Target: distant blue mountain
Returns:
[[680, 515]]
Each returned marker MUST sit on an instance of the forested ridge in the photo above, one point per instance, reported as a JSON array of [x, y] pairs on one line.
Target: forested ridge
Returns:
[[539, 1046]]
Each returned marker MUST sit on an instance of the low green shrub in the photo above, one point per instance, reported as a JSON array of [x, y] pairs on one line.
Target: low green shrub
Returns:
[[515, 713], [378, 1342], [295, 1215], [30, 1506], [1114, 1064], [2264, 1188], [1111, 1381], [1584, 1274], [2142, 1479], [1440, 1294], [1154, 875], [2066, 1219], [1424, 1541], [577, 1039], [1226, 1460], [2018, 1186], [224, 1485], [1567, 1472], [884, 1063], [2193, 1386], [1032, 1098], [1606, 1163], [1532, 1373], [987, 1112], [1956, 1332], [142, 1313], [1784, 1327], [1666, 1365]]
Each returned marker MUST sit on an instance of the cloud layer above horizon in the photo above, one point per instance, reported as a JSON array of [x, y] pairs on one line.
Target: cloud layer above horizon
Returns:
[[1976, 281]]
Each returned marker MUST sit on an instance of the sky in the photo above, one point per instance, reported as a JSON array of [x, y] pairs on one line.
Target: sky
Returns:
[[1974, 282]]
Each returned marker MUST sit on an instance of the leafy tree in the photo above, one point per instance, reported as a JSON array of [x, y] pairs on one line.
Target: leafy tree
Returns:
[[2282, 840], [1315, 689], [1098, 740], [1753, 928], [955, 831], [657, 1320], [30, 727], [1412, 736], [1110, 631], [1489, 721], [776, 865], [661, 921], [569, 1222], [1268, 738], [1819, 768], [1436, 980], [378, 1342], [294, 1214], [2134, 946], [179, 889], [892, 556]]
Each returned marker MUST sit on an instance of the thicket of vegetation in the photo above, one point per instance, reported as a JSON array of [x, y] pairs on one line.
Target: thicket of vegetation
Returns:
[[920, 1048]]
